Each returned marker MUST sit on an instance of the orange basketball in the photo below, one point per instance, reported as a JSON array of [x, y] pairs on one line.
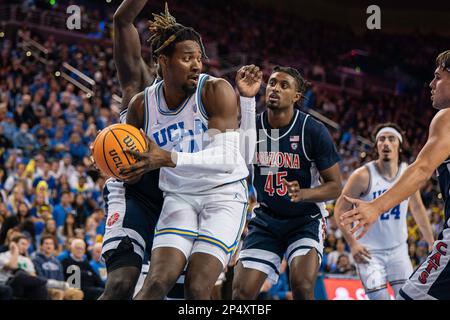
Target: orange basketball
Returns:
[[108, 146]]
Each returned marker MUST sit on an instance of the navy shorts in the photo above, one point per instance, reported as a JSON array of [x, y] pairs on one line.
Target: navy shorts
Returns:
[[130, 224], [271, 238]]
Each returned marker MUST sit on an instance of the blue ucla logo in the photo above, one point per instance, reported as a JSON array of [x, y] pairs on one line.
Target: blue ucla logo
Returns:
[[182, 139]]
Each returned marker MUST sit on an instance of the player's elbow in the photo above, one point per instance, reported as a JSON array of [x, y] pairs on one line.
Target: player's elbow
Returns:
[[336, 190], [422, 173], [120, 19]]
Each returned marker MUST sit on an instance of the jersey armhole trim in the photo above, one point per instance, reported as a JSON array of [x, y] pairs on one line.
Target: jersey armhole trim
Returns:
[[303, 138], [365, 193], [146, 111], [200, 105]]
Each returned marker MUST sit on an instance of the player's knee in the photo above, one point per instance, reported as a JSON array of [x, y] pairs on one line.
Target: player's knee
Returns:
[[157, 284], [303, 289], [242, 293], [195, 290], [120, 287]]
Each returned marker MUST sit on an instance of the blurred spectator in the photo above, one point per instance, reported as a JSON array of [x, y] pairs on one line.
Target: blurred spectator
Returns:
[[343, 266], [96, 263], [22, 221], [63, 208], [24, 140], [48, 267], [91, 284], [333, 257], [18, 272]]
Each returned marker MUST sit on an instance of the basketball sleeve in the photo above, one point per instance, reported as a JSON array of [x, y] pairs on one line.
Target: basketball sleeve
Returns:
[[321, 148], [248, 128], [222, 155]]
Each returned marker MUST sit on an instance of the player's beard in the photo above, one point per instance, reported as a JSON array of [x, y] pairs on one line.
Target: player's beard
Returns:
[[189, 89]]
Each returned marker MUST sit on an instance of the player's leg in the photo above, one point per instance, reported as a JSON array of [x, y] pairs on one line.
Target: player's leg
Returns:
[[221, 222], [260, 258], [304, 254], [124, 241], [247, 282], [174, 237], [303, 274], [373, 276], [431, 281], [202, 272], [398, 267]]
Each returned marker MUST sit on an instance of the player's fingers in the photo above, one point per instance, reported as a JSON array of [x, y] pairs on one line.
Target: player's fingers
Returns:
[[135, 154], [286, 183], [356, 228], [351, 200], [132, 168], [348, 221], [349, 213], [366, 253]]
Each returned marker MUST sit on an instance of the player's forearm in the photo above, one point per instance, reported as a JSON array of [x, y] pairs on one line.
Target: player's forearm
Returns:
[[414, 177], [325, 192], [221, 156], [248, 128], [128, 11]]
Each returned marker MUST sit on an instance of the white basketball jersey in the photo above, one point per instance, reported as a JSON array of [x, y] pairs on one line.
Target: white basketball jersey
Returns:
[[184, 130], [390, 230]]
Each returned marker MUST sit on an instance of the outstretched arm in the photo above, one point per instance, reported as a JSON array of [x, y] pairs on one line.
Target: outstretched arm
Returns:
[[132, 71], [435, 151], [420, 216], [356, 186], [248, 83]]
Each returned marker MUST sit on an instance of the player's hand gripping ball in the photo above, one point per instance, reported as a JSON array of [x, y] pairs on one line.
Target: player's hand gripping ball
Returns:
[[108, 146]]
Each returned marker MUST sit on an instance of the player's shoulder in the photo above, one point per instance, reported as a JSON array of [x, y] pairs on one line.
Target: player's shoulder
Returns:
[[211, 84], [311, 123], [361, 176], [441, 120]]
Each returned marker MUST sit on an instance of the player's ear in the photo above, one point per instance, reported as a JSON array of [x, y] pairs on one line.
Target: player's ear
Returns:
[[297, 97], [162, 60]]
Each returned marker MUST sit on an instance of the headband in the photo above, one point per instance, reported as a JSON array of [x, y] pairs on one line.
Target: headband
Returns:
[[389, 130]]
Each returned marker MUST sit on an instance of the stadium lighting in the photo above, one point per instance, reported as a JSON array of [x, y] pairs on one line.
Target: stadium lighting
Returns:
[[2, 34], [57, 73], [28, 53]]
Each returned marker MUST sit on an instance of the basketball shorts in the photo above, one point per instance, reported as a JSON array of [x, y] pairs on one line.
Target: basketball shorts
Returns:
[[210, 222], [389, 265], [431, 280], [130, 222], [270, 238]]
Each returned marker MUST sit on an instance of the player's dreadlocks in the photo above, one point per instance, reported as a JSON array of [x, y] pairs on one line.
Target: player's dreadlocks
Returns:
[[443, 60], [166, 32]]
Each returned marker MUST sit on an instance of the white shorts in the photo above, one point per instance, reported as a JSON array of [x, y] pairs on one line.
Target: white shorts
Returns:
[[389, 265], [431, 281], [211, 222]]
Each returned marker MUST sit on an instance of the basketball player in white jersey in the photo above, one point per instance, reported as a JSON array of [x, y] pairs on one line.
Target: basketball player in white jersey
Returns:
[[381, 255], [192, 119]]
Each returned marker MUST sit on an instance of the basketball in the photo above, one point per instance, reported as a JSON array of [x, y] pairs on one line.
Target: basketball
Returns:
[[109, 144]]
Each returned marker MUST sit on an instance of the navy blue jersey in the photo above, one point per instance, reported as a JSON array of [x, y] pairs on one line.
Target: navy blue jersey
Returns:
[[444, 183], [296, 152]]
